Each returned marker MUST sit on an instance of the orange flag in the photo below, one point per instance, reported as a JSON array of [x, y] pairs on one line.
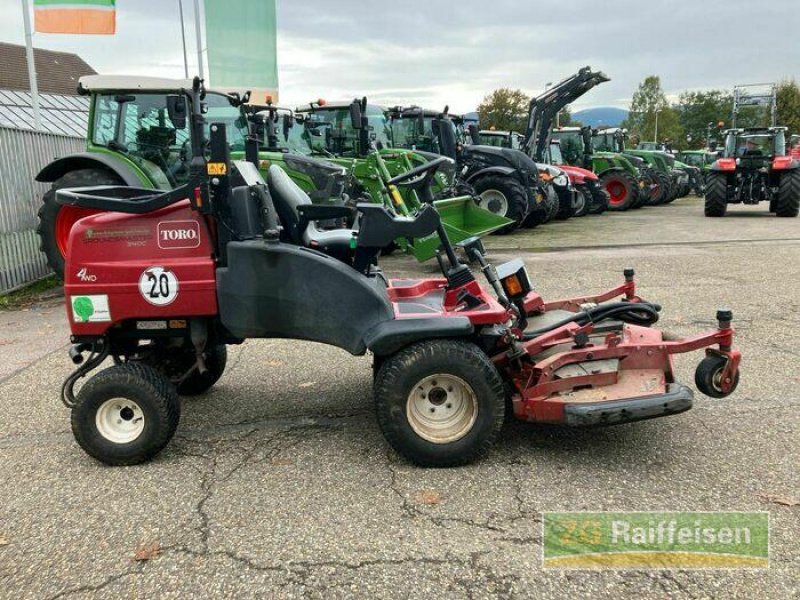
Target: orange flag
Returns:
[[75, 16]]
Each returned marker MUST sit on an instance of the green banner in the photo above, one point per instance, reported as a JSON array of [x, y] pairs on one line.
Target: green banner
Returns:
[[656, 540], [241, 37]]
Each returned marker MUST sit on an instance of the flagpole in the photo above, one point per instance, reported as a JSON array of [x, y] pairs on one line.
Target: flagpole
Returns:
[[26, 17], [183, 38], [199, 34]]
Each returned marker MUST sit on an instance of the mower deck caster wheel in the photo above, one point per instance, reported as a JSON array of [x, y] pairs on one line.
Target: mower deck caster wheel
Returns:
[[126, 414], [708, 374], [439, 403]]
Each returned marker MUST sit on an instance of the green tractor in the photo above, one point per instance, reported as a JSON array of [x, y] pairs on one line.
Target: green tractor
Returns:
[[357, 136], [701, 160], [625, 183], [132, 141]]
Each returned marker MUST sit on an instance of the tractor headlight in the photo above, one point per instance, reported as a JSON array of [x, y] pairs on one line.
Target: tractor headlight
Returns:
[[514, 279]]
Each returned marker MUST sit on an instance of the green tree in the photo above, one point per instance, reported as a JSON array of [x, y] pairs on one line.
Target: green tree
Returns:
[[505, 110], [789, 105], [696, 110], [565, 119], [650, 110]]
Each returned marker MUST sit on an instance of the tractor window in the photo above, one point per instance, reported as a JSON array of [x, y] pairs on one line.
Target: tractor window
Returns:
[[760, 145], [331, 130], [555, 154], [603, 143], [489, 139], [137, 126], [693, 160], [220, 110]]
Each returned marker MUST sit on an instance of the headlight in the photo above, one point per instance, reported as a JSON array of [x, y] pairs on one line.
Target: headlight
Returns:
[[561, 180], [514, 278]]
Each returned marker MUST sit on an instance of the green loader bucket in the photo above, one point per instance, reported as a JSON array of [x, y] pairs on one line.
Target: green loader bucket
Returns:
[[462, 219]]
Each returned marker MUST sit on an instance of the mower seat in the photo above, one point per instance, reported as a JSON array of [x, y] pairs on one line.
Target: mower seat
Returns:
[[300, 224]]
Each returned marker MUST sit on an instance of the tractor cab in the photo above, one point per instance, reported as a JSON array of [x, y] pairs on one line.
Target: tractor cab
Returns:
[[752, 144]]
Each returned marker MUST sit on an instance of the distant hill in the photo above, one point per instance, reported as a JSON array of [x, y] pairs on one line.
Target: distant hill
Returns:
[[602, 115]]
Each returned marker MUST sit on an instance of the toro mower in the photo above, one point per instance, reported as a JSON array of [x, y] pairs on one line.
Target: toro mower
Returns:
[[209, 269], [754, 168]]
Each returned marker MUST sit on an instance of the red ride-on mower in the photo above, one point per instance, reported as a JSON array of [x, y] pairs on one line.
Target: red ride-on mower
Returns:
[[162, 282]]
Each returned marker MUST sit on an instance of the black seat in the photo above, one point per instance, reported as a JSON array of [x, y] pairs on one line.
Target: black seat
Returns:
[[299, 221]]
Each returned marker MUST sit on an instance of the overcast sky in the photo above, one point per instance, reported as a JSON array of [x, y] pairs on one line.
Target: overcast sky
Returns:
[[433, 53]]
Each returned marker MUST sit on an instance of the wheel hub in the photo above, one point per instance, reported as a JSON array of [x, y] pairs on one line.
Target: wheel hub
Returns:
[[120, 420], [442, 408], [494, 201]]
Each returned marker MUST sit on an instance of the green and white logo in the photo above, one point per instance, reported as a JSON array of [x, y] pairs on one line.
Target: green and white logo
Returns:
[[90, 309], [656, 540]]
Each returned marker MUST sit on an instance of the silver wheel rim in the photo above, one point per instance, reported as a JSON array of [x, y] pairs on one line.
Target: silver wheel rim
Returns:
[[494, 201], [442, 408], [578, 202], [120, 420]]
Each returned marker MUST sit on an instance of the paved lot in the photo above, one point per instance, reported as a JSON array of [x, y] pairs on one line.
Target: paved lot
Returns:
[[279, 484]]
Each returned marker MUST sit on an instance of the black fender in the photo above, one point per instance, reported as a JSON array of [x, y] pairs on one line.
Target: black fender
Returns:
[[504, 171], [390, 336], [88, 160]]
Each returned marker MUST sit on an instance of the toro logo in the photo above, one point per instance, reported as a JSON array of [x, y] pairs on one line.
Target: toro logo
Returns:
[[173, 235]]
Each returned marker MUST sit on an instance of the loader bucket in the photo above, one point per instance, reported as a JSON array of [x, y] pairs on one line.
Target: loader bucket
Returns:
[[462, 219]]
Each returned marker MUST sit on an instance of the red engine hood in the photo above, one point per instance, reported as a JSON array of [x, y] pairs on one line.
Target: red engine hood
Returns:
[[577, 174]]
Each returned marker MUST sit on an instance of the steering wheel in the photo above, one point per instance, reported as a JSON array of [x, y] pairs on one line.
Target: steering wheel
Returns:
[[420, 178]]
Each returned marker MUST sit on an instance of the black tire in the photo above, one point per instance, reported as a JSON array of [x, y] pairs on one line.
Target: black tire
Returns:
[[216, 359], [599, 203], [128, 383], [552, 204], [514, 194], [174, 362], [619, 181], [583, 200], [418, 365], [566, 208], [664, 189], [48, 211], [716, 198], [706, 376], [787, 204]]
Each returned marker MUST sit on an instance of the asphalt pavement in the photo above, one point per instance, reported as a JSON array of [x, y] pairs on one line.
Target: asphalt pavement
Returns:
[[278, 483]]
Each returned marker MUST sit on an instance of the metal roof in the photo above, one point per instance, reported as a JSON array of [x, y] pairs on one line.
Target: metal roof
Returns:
[[64, 115]]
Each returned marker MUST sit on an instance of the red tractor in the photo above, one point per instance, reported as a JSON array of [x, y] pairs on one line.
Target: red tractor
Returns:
[[162, 282]]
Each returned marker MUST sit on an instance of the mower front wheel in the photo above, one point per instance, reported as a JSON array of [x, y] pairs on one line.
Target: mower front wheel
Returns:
[[708, 376], [126, 414], [439, 403]]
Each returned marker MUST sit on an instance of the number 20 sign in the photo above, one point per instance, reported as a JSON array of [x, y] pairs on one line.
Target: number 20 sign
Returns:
[[158, 286]]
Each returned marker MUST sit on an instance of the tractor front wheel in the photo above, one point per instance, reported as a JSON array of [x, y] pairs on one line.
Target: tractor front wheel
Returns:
[[622, 190], [716, 199], [439, 403], [580, 201], [56, 221], [788, 201], [503, 196]]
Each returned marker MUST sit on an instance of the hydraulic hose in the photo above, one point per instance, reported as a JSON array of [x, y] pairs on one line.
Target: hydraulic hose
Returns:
[[635, 313]]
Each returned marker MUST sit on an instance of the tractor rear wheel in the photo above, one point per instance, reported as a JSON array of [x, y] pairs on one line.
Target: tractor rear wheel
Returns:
[[621, 188], [788, 201], [600, 200], [503, 196], [440, 403], [716, 199], [663, 189], [56, 221]]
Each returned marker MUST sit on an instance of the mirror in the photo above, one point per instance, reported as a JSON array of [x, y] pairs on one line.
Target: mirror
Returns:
[[177, 111], [355, 114], [288, 123]]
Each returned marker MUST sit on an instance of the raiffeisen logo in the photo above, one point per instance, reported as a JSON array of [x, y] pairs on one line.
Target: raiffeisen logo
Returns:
[[173, 235], [656, 540]]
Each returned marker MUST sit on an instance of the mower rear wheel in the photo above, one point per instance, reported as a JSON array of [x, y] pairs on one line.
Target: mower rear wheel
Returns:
[[503, 196], [439, 403], [788, 201], [716, 199], [56, 221], [708, 375], [622, 190], [126, 414]]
